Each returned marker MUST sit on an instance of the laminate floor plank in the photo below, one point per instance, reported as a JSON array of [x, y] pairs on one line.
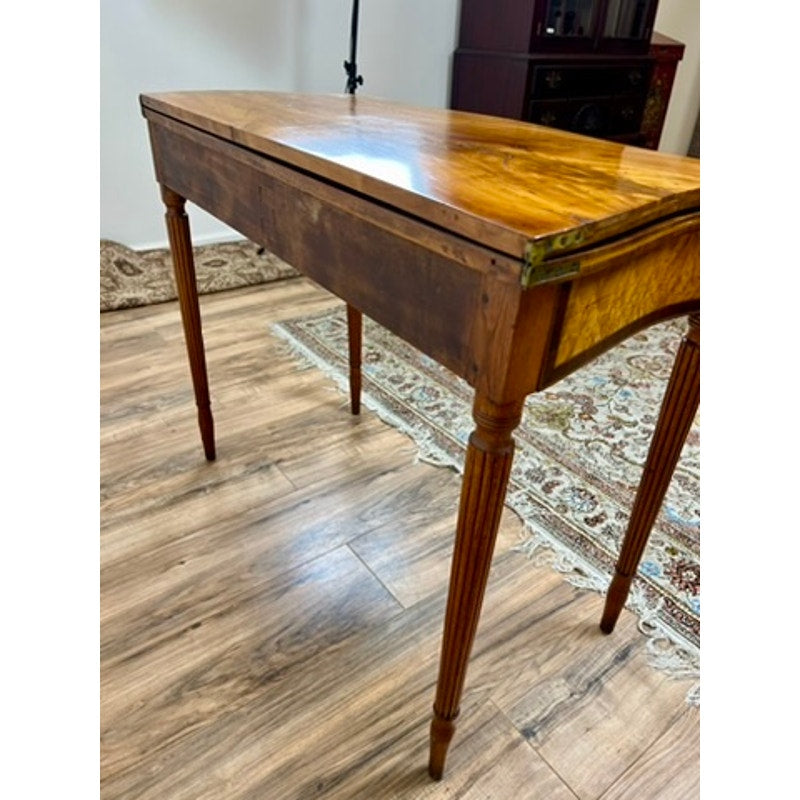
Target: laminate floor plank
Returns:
[[154, 459], [576, 694], [248, 633], [253, 517], [670, 769], [363, 734], [275, 732], [415, 562], [137, 388], [271, 622]]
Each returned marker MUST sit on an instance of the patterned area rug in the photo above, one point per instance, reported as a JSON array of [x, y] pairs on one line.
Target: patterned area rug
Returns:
[[130, 278], [581, 447]]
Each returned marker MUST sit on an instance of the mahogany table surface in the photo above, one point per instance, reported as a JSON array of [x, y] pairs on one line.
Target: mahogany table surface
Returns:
[[500, 182]]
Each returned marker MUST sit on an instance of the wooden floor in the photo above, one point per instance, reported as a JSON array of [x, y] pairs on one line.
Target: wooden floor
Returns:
[[270, 623]]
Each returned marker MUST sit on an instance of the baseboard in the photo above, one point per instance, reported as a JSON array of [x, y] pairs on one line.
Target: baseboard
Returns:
[[209, 238]]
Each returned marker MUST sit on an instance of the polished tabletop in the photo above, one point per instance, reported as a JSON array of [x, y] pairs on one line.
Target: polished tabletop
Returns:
[[498, 182]]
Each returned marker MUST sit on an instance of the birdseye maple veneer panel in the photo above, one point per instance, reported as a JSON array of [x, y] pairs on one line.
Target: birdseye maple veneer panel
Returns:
[[602, 307]]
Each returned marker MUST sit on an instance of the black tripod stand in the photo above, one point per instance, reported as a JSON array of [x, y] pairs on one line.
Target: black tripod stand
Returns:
[[354, 318], [353, 78]]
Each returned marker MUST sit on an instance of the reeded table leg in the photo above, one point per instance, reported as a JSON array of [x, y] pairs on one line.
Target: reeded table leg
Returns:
[[354, 326], [183, 262], [483, 489], [674, 422]]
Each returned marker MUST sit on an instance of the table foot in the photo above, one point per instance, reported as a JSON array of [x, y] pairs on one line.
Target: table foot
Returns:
[[615, 600], [354, 328], [442, 731], [678, 410], [483, 489], [180, 244]]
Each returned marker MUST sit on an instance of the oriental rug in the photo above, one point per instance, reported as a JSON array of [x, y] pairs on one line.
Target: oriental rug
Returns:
[[131, 278], [580, 452]]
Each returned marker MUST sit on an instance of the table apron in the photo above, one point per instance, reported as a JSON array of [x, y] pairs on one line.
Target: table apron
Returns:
[[425, 285]]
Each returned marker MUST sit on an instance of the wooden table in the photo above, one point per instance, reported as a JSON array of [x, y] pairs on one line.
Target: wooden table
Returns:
[[510, 253]]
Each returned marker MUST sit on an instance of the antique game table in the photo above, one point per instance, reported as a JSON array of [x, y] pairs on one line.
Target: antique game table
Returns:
[[510, 253]]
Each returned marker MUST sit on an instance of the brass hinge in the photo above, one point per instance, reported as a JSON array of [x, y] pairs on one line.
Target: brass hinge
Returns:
[[536, 270]]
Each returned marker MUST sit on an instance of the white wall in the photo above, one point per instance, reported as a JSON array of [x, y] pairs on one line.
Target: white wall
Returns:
[[404, 47], [680, 19], [404, 53], [153, 45], [285, 45]]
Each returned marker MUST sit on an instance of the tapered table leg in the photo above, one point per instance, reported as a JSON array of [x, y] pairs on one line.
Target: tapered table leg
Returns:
[[354, 327], [678, 410], [183, 262], [483, 489]]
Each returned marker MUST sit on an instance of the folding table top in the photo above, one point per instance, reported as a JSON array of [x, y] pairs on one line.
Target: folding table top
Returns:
[[501, 183]]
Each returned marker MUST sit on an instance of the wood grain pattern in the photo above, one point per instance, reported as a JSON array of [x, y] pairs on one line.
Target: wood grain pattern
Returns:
[[495, 181], [649, 776], [349, 245], [306, 677]]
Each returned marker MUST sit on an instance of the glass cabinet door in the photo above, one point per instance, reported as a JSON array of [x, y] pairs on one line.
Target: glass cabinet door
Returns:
[[629, 19], [571, 19]]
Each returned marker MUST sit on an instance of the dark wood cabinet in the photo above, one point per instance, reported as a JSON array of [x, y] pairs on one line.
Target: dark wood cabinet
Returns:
[[590, 66]]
